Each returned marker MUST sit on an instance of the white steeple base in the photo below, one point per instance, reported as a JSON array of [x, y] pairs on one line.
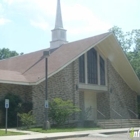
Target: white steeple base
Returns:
[[57, 43]]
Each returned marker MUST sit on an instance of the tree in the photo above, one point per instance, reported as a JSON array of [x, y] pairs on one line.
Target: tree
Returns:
[[125, 39], [6, 53], [130, 43]]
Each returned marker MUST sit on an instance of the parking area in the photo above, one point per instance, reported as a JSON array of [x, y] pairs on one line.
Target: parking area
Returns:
[[122, 136]]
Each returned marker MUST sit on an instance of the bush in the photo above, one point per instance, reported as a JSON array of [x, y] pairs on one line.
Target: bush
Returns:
[[60, 110], [27, 119]]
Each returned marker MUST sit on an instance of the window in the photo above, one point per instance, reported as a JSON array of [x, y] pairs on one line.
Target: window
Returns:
[[102, 71], [92, 66], [82, 69]]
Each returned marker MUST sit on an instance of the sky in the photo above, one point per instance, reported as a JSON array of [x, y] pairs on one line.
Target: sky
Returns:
[[25, 25]]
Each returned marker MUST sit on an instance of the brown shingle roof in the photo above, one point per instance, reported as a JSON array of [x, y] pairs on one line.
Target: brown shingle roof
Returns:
[[30, 68]]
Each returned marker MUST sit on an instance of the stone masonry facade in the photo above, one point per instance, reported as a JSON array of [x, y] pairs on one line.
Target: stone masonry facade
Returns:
[[64, 84], [122, 98], [119, 98], [61, 85]]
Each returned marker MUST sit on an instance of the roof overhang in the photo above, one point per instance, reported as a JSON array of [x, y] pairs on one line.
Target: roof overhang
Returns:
[[112, 50]]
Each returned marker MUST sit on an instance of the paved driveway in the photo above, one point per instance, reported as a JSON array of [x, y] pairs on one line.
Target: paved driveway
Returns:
[[102, 137]]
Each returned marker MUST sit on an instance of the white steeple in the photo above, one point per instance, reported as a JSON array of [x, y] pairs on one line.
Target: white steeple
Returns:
[[58, 33], [58, 21]]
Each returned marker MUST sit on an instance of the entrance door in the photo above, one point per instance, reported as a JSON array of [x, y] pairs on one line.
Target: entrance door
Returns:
[[90, 105]]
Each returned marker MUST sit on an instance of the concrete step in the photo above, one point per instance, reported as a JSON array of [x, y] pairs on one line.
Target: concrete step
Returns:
[[117, 123]]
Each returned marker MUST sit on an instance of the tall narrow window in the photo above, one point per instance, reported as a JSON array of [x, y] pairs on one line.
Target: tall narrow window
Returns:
[[92, 66], [82, 69], [102, 71]]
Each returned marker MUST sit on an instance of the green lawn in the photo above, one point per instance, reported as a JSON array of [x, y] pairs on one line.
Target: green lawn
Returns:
[[2, 133], [54, 130]]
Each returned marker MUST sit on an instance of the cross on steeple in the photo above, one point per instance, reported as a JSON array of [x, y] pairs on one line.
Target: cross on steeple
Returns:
[[58, 33]]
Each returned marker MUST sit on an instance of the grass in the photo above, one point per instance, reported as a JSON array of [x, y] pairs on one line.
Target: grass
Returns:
[[2, 133], [55, 130]]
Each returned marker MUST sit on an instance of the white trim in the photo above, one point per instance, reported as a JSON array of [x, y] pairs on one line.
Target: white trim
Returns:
[[92, 87], [86, 69], [98, 68], [125, 57], [11, 82], [100, 52], [105, 60], [106, 79]]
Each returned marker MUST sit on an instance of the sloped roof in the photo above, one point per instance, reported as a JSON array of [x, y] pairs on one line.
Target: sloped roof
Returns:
[[29, 69]]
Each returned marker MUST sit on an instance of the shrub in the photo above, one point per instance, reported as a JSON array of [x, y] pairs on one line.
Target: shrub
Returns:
[[60, 110], [27, 119]]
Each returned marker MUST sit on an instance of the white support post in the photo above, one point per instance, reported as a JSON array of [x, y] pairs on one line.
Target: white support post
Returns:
[[98, 61], [86, 72]]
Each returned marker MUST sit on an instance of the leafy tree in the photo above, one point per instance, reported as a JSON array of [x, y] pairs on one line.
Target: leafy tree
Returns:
[[130, 43], [60, 110], [125, 39], [6, 53]]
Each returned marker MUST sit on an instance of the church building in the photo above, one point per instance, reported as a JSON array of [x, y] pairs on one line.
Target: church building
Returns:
[[93, 72]]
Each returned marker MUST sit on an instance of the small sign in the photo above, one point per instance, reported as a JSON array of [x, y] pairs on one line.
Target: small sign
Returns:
[[6, 103], [46, 104]]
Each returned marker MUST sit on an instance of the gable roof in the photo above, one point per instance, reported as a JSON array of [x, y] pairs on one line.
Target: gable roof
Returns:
[[29, 69]]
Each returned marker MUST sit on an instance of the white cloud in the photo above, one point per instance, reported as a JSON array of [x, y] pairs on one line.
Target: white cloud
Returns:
[[40, 24], [40, 6], [4, 21], [84, 19], [12, 1], [1, 8]]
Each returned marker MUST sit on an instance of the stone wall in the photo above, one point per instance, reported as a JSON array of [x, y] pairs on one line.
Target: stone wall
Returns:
[[103, 105], [61, 85], [25, 92], [119, 97], [122, 98]]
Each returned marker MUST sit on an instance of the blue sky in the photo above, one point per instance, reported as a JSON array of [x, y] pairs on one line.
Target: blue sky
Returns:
[[25, 25]]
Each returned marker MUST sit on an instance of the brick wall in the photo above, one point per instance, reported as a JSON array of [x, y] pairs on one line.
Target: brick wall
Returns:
[[119, 97], [25, 93], [122, 98], [103, 105], [61, 85]]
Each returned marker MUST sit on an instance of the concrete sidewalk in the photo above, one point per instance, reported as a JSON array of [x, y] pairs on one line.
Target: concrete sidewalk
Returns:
[[51, 136]]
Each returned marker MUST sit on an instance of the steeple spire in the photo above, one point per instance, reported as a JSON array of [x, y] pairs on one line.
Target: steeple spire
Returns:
[[58, 33], [58, 21]]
